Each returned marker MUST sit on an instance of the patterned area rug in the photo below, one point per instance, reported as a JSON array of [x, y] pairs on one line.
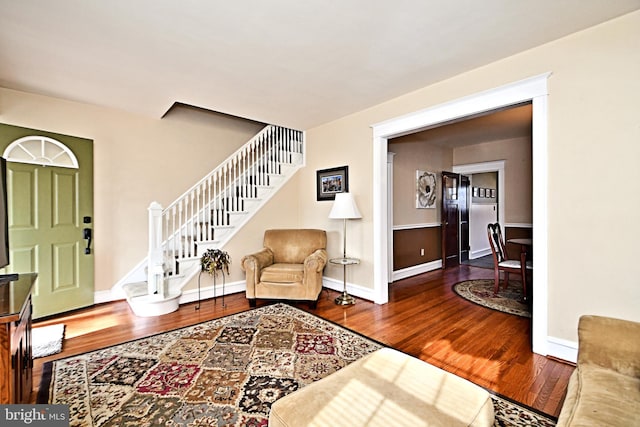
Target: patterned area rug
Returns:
[[481, 292], [225, 372]]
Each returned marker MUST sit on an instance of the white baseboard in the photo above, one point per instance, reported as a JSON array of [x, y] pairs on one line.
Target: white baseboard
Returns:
[[562, 349], [191, 295], [479, 253], [352, 289], [100, 297], [417, 269]]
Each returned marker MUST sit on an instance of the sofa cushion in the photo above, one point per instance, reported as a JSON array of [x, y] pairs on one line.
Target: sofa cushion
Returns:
[[282, 273], [385, 388], [602, 397]]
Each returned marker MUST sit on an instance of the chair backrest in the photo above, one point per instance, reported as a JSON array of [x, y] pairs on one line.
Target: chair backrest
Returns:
[[495, 240], [292, 246]]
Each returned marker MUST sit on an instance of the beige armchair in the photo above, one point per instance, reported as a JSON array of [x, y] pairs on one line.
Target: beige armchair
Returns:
[[289, 267], [604, 389]]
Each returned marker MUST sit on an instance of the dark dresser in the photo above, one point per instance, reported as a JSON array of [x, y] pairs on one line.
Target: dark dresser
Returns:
[[16, 362]]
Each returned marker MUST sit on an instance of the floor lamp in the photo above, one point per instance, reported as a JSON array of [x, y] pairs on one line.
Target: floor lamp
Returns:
[[344, 208]]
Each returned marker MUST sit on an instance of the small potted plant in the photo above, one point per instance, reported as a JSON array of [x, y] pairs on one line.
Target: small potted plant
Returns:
[[212, 261]]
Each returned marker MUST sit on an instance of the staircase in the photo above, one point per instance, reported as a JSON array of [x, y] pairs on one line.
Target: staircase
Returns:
[[207, 216]]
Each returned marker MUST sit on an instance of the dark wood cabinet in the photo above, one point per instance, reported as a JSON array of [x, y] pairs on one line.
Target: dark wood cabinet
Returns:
[[16, 361]]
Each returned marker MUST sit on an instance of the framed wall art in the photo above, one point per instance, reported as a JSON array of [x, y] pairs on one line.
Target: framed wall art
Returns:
[[329, 182], [425, 190]]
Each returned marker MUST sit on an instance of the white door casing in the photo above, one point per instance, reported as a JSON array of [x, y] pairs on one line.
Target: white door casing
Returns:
[[532, 90]]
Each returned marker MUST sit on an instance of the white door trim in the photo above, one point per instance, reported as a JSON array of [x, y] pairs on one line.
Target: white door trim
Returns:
[[495, 166], [533, 90]]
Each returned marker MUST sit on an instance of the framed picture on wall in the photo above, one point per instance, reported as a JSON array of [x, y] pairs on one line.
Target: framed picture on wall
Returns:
[[475, 191], [493, 193], [425, 190], [329, 182], [482, 192]]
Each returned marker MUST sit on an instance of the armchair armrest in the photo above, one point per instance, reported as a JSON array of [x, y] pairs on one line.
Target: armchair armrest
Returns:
[[257, 261], [610, 343], [316, 261], [253, 265]]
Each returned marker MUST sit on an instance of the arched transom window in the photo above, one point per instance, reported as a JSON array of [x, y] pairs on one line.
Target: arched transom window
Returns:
[[41, 150]]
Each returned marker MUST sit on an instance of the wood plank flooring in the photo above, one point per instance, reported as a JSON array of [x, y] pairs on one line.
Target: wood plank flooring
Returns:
[[424, 318]]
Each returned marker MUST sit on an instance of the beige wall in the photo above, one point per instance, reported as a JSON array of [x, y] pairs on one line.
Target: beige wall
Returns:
[[517, 170], [413, 154], [593, 143], [136, 160]]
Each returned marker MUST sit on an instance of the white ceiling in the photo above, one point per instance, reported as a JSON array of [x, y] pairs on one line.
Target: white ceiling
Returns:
[[292, 63]]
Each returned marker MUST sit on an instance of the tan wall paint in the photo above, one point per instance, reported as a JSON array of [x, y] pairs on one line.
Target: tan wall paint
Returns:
[[517, 170], [412, 155], [136, 160], [593, 145], [280, 212]]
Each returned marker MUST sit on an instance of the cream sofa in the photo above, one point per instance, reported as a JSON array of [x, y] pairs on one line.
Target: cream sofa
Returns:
[[385, 388], [604, 389], [288, 267]]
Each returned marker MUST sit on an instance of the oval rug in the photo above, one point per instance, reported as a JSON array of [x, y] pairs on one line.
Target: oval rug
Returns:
[[481, 292]]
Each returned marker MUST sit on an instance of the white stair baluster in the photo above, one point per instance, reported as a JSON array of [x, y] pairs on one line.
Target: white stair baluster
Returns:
[[201, 217]]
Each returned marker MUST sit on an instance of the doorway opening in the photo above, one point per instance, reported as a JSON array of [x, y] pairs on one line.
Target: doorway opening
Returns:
[[532, 90]]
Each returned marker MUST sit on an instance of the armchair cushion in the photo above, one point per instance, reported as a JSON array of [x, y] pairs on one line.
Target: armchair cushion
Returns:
[[282, 273]]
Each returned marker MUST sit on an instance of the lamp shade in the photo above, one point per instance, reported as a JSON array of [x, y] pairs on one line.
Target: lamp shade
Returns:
[[344, 207]]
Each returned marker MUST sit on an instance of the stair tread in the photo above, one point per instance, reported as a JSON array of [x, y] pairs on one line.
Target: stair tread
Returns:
[[135, 289]]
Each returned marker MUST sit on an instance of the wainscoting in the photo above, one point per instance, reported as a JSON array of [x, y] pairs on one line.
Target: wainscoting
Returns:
[[416, 249]]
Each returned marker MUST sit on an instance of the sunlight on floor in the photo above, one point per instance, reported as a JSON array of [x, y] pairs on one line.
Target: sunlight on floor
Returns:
[[91, 325], [97, 320], [478, 370]]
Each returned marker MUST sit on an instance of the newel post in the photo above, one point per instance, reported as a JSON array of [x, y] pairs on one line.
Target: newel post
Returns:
[[155, 268]]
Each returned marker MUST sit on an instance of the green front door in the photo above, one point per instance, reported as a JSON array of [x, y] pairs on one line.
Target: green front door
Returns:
[[49, 208]]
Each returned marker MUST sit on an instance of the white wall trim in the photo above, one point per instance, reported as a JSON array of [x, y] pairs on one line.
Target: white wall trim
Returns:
[[352, 289], [479, 253], [416, 269], [100, 297], [206, 292], [414, 226], [533, 90], [495, 166], [390, 242], [518, 225], [563, 349]]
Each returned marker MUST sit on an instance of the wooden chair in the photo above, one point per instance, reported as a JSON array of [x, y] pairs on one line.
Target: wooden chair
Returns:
[[501, 261]]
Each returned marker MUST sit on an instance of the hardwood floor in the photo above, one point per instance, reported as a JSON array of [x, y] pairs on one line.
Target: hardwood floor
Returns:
[[424, 318]]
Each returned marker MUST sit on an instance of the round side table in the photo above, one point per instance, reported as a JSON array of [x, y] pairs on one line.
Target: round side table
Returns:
[[345, 298]]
